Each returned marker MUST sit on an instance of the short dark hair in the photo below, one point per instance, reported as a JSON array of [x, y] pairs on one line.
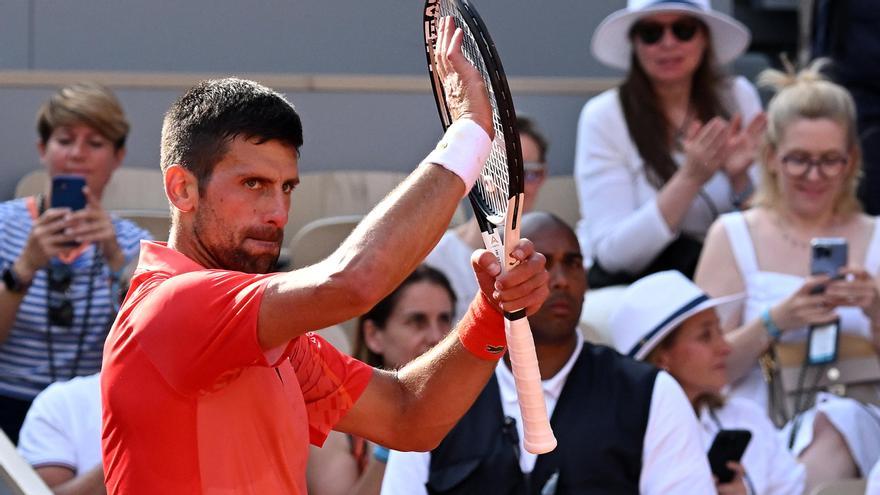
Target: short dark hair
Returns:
[[200, 124], [380, 313], [527, 126]]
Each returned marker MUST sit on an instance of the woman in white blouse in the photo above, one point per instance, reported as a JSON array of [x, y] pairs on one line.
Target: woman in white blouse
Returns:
[[661, 156]]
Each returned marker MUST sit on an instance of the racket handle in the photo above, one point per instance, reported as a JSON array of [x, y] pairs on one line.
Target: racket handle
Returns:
[[538, 436]]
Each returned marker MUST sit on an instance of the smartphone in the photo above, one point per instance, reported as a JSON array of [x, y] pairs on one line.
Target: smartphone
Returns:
[[67, 192], [828, 256], [822, 343], [729, 445]]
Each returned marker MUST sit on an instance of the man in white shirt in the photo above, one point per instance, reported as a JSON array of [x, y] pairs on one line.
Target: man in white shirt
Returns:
[[622, 426], [61, 436]]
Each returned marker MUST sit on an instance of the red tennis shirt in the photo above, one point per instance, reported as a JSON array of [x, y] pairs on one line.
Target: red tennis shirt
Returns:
[[192, 404]]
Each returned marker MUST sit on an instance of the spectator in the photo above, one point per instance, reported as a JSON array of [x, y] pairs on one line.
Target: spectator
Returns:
[[452, 255], [622, 427], [57, 302], [810, 164], [668, 321], [408, 322], [61, 437], [659, 157]]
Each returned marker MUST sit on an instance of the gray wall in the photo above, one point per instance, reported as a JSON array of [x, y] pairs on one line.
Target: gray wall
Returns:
[[344, 130]]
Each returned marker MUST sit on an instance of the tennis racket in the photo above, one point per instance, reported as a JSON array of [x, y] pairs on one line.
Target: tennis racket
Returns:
[[497, 198]]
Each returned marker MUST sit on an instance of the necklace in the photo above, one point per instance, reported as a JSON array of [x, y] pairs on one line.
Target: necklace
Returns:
[[789, 237]]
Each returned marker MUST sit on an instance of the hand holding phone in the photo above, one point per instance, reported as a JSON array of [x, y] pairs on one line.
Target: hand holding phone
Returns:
[[729, 445], [828, 256]]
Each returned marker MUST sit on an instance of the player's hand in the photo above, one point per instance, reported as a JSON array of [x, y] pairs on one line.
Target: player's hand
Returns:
[[466, 93], [93, 224], [523, 286]]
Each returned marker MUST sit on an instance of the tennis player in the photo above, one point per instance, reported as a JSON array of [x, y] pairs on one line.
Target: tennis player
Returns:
[[212, 382]]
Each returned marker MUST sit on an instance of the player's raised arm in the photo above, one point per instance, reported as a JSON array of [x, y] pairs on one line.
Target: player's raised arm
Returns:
[[399, 232]]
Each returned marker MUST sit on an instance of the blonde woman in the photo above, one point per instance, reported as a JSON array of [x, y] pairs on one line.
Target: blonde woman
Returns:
[[810, 162]]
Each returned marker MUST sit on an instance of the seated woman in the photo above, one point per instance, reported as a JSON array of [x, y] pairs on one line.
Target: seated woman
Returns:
[[408, 322], [810, 163], [61, 268], [661, 156], [667, 320]]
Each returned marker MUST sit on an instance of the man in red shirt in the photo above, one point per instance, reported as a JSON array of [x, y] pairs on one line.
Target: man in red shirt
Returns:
[[212, 382]]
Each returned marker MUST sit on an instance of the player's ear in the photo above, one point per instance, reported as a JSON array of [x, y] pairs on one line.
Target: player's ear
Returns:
[[182, 188], [373, 337]]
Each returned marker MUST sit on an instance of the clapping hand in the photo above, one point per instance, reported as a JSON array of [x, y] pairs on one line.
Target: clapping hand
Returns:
[[742, 146]]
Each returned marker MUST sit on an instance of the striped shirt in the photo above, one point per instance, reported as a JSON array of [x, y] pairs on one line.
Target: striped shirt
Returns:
[[25, 367]]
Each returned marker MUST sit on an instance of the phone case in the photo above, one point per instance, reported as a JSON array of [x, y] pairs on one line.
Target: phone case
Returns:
[[67, 192], [729, 445]]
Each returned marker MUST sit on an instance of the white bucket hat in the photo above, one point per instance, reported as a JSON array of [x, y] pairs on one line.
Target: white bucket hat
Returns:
[[611, 43], [655, 305]]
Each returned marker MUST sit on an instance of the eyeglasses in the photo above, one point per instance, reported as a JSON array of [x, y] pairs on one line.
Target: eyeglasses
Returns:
[[799, 164], [60, 307], [533, 171], [650, 32]]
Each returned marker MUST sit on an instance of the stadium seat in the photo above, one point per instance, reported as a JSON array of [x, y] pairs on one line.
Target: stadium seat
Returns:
[[558, 195]]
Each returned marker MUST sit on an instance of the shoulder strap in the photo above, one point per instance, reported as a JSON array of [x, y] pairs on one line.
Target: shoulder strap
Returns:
[[740, 242]]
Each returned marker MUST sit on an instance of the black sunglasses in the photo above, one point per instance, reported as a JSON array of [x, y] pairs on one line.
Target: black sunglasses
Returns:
[[650, 32], [60, 308]]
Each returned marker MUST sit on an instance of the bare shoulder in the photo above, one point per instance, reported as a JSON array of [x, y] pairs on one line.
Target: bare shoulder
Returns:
[[717, 272]]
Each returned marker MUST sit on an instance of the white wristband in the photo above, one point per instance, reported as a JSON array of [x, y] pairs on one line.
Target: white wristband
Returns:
[[463, 151]]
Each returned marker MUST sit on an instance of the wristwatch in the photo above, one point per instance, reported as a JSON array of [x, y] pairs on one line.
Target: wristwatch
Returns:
[[12, 282]]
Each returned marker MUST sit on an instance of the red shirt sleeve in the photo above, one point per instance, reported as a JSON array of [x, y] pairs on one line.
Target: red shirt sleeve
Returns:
[[331, 382], [201, 326]]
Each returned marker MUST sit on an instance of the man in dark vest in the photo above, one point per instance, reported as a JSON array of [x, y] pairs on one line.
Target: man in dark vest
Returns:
[[622, 426]]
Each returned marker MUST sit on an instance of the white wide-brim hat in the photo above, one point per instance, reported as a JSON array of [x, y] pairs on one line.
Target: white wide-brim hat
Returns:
[[611, 44], [654, 306]]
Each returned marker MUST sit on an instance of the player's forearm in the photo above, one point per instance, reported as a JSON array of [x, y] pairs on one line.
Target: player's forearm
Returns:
[[437, 394], [385, 247], [435, 390], [397, 235]]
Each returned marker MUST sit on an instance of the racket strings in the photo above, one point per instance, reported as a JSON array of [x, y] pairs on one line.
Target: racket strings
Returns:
[[493, 185]]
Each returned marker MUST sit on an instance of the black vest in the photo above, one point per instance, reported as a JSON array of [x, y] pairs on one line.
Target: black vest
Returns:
[[599, 422]]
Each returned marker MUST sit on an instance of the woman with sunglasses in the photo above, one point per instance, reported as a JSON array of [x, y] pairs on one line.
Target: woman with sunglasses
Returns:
[[810, 163], [59, 267], [660, 156], [666, 320]]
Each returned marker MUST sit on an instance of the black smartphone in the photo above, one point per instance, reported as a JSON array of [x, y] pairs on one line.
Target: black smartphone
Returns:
[[729, 445], [822, 343], [67, 192], [828, 256]]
